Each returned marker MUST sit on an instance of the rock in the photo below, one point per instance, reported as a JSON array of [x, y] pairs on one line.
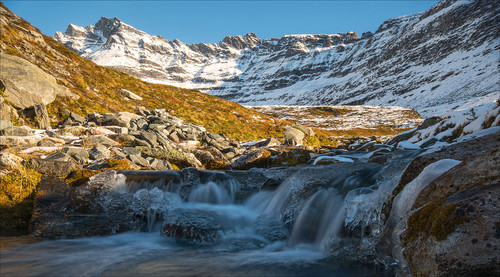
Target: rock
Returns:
[[41, 116], [117, 129], [292, 157], [149, 137], [79, 154], [76, 118], [95, 140], [271, 228], [211, 159], [123, 139], [138, 160], [131, 151], [267, 143], [99, 152], [456, 237], [22, 131], [72, 131], [140, 142], [7, 113], [252, 158], [10, 161], [5, 124], [100, 131], [130, 95], [408, 146], [72, 119], [160, 164], [19, 142], [380, 159], [293, 136], [51, 200], [306, 130], [195, 226], [123, 119], [59, 157], [51, 142], [173, 136], [41, 89], [90, 209], [55, 168]]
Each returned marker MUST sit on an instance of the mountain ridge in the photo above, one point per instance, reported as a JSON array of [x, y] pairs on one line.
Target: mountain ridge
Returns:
[[433, 61]]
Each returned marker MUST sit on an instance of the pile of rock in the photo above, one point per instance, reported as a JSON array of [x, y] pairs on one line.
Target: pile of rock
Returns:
[[148, 139]]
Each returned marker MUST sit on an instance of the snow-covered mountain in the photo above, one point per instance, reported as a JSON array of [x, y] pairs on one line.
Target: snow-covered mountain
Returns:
[[434, 61]]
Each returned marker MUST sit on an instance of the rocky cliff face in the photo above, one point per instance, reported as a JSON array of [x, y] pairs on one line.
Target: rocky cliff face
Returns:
[[434, 61]]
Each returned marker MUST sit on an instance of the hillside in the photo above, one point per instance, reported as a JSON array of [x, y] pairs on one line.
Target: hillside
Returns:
[[434, 61], [98, 87]]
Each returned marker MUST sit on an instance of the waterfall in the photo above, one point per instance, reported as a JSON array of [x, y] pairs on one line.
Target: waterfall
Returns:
[[211, 193], [320, 220]]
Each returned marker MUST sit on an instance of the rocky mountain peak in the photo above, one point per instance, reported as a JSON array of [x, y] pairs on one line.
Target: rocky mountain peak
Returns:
[[239, 42], [108, 26]]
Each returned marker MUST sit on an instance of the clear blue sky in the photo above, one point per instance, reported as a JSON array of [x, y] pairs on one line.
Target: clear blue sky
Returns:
[[211, 21]]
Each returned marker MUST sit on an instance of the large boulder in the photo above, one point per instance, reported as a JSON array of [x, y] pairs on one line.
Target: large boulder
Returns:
[[456, 237], [27, 85], [293, 136]]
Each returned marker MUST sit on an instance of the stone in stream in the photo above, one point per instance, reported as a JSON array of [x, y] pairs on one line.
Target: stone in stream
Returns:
[[195, 226]]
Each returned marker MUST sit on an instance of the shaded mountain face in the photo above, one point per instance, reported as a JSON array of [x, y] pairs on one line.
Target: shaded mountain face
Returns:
[[434, 61]]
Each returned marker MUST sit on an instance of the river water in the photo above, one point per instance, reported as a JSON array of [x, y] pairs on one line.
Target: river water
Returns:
[[135, 254], [271, 233]]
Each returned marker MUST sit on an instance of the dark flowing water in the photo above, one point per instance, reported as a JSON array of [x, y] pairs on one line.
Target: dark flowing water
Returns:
[[134, 254], [252, 239]]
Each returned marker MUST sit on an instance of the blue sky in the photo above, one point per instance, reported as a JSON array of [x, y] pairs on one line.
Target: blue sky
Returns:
[[211, 21]]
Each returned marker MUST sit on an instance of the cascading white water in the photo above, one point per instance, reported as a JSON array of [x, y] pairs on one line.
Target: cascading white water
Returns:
[[320, 220], [211, 193]]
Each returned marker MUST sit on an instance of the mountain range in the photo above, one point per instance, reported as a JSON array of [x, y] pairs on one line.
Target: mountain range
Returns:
[[443, 59]]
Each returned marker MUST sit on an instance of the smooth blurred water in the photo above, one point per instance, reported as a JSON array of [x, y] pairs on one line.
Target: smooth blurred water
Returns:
[[140, 254]]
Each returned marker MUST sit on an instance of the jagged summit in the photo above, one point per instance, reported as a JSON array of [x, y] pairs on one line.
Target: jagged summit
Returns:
[[433, 61]]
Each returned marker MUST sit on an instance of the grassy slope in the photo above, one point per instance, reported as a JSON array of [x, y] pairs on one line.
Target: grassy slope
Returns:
[[98, 87]]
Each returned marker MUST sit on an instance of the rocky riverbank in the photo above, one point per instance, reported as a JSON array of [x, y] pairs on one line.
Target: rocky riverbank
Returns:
[[429, 194]]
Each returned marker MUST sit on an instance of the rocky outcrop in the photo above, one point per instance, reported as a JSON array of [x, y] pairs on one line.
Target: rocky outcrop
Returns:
[[457, 236], [42, 88]]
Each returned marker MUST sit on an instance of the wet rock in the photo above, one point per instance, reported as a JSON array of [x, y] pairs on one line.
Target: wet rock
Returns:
[[271, 228], [95, 208], [195, 226]]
